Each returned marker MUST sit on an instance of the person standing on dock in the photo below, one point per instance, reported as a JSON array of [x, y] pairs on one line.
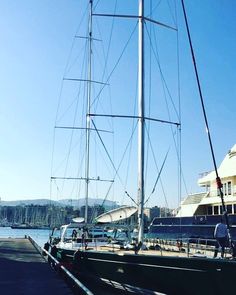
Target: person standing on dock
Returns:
[[221, 236]]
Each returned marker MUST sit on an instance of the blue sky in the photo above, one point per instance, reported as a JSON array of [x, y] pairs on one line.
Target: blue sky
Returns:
[[213, 26], [36, 38]]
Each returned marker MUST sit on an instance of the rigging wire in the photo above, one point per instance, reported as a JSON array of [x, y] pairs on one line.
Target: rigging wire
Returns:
[[154, 158], [67, 69], [173, 14], [164, 84], [158, 177], [159, 174], [108, 155], [71, 139], [165, 87], [132, 132], [56, 118], [156, 55], [155, 7], [95, 5], [59, 104], [179, 135], [149, 97], [116, 64], [109, 42], [106, 57], [218, 180], [76, 111]]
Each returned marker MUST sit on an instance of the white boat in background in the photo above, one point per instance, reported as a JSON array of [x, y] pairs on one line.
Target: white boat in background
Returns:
[[200, 212], [105, 231]]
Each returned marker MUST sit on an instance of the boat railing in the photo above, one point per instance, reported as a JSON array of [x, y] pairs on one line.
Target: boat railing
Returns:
[[188, 247]]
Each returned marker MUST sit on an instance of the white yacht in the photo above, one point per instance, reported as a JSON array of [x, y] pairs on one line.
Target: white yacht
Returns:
[[200, 212]]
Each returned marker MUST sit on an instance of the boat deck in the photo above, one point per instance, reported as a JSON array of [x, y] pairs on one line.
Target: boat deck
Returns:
[[24, 271], [172, 251]]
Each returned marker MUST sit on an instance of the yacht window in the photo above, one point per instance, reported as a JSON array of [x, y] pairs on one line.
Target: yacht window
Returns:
[[216, 212], [229, 209], [72, 232], [234, 208], [229, 188], [209, 210], [56, 233], [221, 210]]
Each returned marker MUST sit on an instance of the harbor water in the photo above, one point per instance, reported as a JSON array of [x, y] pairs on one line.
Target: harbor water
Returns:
[[39, 235]]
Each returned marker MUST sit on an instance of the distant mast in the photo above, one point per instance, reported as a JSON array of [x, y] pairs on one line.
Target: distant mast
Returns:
[[141, 121]]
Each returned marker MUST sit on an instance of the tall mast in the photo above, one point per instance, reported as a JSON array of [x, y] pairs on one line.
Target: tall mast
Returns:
[[88, 112], [141, 120]]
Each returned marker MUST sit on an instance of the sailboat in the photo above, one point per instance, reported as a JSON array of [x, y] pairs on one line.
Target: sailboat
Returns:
[[138, 267]]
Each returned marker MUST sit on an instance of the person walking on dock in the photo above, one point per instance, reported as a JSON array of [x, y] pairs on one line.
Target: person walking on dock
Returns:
[[221, 236]]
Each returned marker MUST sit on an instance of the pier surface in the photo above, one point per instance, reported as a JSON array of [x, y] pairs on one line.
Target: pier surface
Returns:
[[23, 270]]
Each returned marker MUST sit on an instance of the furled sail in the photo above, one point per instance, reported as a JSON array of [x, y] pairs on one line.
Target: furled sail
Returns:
[[78, 219], [116, 214]]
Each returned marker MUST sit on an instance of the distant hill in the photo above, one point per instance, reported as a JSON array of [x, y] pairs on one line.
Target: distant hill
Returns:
[[41, 202], [64, 202]]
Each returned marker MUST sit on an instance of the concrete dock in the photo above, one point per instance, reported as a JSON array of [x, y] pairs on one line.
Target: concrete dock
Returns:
[[23, 270]]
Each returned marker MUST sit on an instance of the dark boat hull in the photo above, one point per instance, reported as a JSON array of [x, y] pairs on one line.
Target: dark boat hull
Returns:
[[170, 275], [166, 274]]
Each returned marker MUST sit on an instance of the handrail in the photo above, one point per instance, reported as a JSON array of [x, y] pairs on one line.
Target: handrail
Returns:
[[69, 274], [188, 246]]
